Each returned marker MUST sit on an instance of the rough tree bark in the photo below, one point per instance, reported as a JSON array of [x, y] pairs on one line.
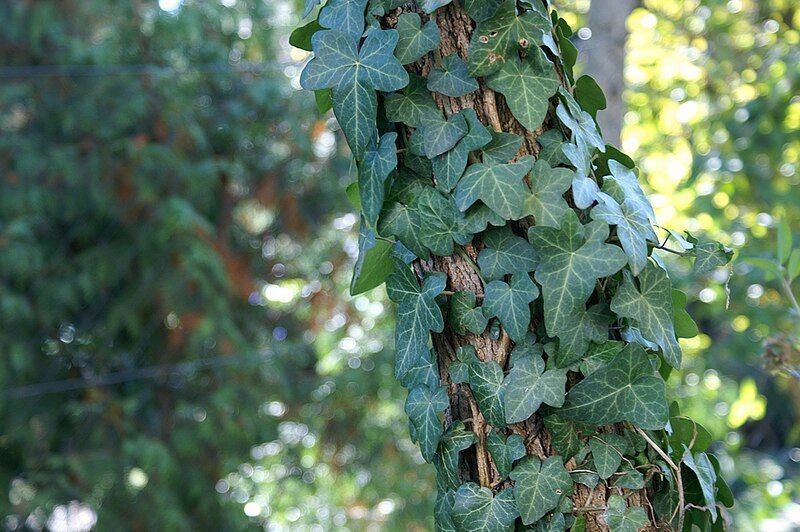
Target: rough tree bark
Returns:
[[456, 30], [604, 60]]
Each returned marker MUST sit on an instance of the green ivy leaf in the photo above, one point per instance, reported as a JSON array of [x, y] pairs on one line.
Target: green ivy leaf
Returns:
[[630, 479], [528, 385], [440, 135], [546, 203], [702, 467], [500, 187], [404, 223], [423, 372], [415, 39], [480, 10], [552, 142], [566, 434], [633, 229], [589, 325], [626, 389], [378, 163], [709, 256], [449, 166], [589, 95], [456, 439], [503, 147], [464, 315], [649, 308], [623, 186], [452, 78], [685, 327], [527, 85], [355, 74], [374, 262], [346, 16], [505, 254], [414, 107], [486, 382], [620, 518], [423, 405], [429, 6], [301, 37], [505, 450], [417, 314], [607, 451], [497, 40], [572, 258], [478, 217], [309, 7], [511, 304], [599, 355], [540, 487], [441, 222], [477, 510], [585, 134]]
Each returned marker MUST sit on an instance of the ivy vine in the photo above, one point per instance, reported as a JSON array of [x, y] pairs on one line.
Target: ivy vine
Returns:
[[562, 243]]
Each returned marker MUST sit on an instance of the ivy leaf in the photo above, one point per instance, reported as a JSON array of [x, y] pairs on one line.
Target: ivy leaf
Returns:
[[423, 372], [505, 450], [528, 385], [620, 518], [301, 37], [566, 434], [623, 186], [415, 39], [480, 10], [486, 382], [346, 16], [464, 315], [589, 95], [709, 256], [423, 405], [552, 523], [440, 135], [527, 85], [607, 451], [540, 487], [374, 262], [649, 308], [477, 510], [633, 229], [500, 187], [546, 203], [599, 355], [497, 40], [503, 147], [456, 439], [414, 107], [417, 314], [588, 325], [572, 258], [452, 78], [379, 161], [552, 142], [449, 166], [630, 479], [706, 476], [404, 223], [584, 130], [584, 189], [511, 304], [355, 75], [309, 7], [441, 222], [478, 217], [505, 254], [443, 510], [685, 327], [429, 6], [626, 389]]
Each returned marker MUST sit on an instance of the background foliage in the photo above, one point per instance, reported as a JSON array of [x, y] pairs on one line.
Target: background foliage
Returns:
[[188, 217]]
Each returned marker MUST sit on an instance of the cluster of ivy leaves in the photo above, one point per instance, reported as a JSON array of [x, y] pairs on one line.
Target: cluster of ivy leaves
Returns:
[[584, 273]]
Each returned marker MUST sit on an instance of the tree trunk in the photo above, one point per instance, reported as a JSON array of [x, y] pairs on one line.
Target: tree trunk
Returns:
[[477, 465], [604, 60]]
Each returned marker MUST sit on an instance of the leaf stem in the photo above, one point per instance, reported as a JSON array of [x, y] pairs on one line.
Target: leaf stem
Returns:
[[676, 471]]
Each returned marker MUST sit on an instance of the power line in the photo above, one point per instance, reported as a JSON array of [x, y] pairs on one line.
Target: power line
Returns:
[[41, 71], [119, 377]]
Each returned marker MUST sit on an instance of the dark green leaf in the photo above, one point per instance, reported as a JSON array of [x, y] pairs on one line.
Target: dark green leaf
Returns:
[[505, 254], [528, 385], [477, 510], [620, 518], [511, 304], [423, 406], [374, 264], [464, 315], [540, 487], [505, 450], [378, 163], [500, 187], [548, 185], [415, 39]]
